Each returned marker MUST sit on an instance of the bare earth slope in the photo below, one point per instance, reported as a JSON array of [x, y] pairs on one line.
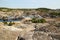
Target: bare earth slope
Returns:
[[8, 33]]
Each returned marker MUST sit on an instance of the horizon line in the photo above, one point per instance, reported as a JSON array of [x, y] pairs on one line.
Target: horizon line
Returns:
[[28, 7]]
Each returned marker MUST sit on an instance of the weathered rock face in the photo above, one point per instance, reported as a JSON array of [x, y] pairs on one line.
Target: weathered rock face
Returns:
[[11, 15], [38, 35], [27, 32], [8, 35], [41, 36], [35, 36], [41, 32], [55, 37]]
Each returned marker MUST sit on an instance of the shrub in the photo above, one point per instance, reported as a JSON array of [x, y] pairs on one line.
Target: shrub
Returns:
[[10, 23], [54, 14], [5, 23], [38, 20], [41, 20]]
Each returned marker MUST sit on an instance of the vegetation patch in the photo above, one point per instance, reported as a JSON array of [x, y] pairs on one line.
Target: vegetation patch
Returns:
[[9, 24], [34, 20], [54, 14]]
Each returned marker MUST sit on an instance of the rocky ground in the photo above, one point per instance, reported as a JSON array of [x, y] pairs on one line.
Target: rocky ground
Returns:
[[24, 29], [32, 31]]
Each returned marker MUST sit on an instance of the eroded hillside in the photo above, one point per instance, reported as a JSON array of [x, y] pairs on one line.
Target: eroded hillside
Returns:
[[29, 24]]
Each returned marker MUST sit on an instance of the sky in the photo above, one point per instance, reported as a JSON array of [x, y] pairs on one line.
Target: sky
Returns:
[[53, 4]]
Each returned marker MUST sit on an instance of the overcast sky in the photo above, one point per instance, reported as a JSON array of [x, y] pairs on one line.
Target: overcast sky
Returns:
[[30, 3]]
